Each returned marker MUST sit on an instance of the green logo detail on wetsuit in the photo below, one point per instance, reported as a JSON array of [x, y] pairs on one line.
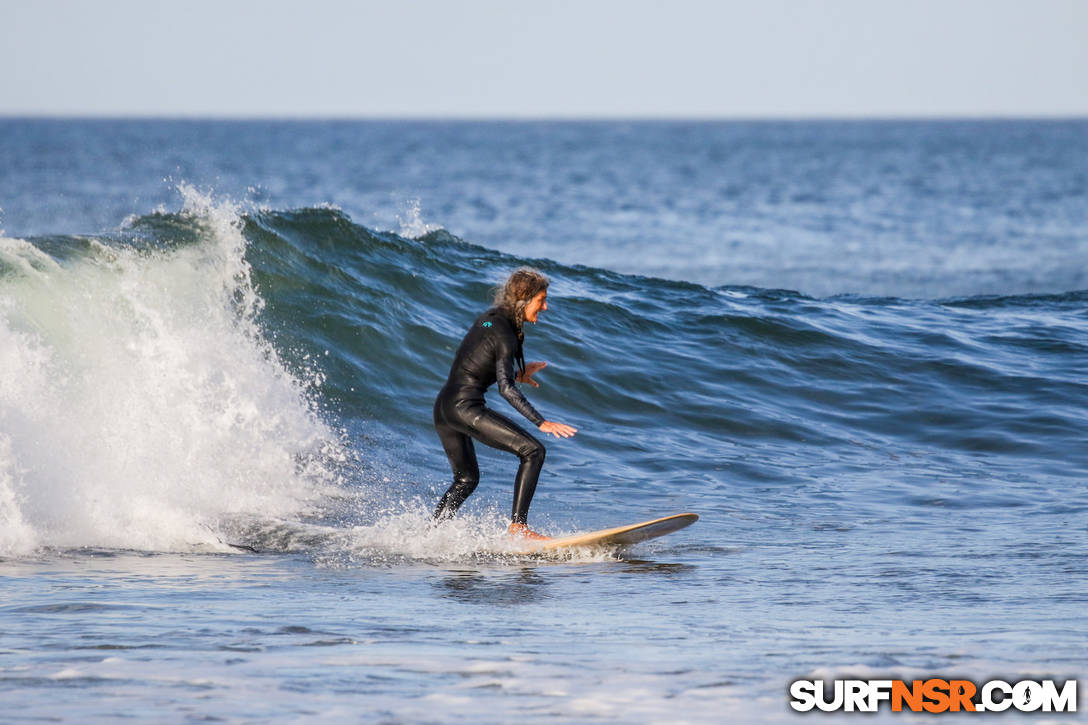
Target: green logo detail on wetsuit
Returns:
[[487, 324]]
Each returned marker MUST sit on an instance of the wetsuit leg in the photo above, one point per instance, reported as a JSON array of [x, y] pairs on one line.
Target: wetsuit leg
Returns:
[[466, 471], [496, 430], [457, 424]]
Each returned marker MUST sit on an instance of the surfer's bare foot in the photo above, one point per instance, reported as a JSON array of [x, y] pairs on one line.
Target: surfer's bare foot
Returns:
[[523, 531]]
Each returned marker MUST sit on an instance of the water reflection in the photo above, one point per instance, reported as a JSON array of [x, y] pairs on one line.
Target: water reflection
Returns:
[[510, 588], [535, 583], [647, 566]]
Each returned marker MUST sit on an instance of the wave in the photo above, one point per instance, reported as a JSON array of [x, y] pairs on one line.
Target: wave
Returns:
[[208, 365], [140, 405]]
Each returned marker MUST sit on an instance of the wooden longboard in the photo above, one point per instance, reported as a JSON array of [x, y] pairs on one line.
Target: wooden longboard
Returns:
[[619, 536]]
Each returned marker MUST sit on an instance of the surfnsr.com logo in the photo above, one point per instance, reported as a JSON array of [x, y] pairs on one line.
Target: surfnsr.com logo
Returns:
[[933, 695]]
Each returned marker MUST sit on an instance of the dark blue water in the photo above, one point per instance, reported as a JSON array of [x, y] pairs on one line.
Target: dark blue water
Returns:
[[907, 209], [857, 350]]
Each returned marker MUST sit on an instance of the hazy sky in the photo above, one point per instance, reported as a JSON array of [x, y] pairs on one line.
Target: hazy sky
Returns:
[[508, 58]]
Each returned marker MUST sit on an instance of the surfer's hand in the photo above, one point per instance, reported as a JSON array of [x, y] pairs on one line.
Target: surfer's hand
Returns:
[[531, 369], [559, 430]]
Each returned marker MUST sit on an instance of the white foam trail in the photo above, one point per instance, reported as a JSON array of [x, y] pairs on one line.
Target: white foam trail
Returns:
[[139, 405], [405, 532]]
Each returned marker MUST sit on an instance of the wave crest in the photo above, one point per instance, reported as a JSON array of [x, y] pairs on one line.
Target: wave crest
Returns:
[[140, 404]]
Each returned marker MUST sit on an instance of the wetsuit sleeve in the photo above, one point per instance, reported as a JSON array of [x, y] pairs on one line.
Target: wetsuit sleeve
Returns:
[[504, 376]]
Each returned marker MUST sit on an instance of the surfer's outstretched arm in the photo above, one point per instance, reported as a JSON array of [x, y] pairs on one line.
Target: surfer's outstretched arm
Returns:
[[559, 430], [505, 376], [504, 370]]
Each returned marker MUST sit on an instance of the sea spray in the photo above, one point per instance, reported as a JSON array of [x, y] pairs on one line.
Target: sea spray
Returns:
[[140, 406], [411, 221]]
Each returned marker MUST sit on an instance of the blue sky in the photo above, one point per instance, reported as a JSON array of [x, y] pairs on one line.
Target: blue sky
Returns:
[[513, 59]]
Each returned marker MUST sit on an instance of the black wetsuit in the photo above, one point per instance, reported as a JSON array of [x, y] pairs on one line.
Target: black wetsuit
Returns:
[[487, 355]]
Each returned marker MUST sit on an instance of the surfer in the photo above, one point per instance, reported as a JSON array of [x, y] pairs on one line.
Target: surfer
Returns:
[[487, 355]]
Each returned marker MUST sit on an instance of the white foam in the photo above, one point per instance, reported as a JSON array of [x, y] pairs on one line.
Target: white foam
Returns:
[[407, 532], [139, 405], [67, 674]]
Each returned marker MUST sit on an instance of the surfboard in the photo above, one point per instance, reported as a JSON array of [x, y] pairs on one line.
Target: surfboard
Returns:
[[617, 537]]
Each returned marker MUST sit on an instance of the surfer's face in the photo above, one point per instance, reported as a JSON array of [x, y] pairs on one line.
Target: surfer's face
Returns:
[[535, 306]]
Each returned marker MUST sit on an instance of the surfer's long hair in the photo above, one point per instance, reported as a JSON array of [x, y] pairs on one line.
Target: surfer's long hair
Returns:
[[523, 285]]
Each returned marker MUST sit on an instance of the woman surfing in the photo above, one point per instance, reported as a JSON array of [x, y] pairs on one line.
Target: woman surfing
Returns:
[[488, 354]]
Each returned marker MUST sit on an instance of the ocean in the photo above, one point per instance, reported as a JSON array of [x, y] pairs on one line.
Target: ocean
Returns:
[[857, 349]]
